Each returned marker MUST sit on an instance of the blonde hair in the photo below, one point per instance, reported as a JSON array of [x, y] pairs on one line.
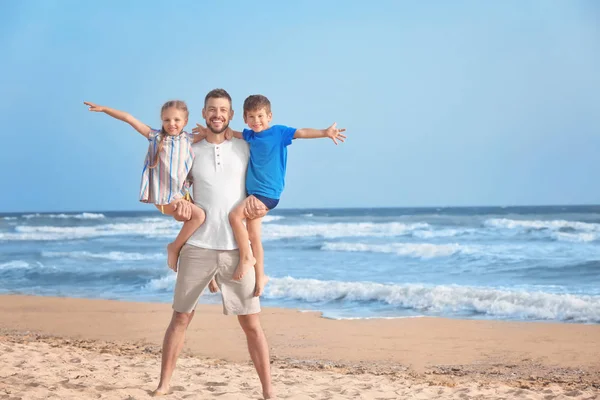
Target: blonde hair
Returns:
[[177, 104]]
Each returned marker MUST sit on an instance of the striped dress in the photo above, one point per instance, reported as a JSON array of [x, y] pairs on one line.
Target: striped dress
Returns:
[[167, 181]]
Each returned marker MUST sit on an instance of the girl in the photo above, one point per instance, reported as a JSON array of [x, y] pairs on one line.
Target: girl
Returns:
[[169, 159]]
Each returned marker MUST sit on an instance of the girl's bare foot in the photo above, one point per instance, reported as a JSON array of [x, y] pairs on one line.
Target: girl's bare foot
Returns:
[[261, 282], [243, 267], [172, 256]]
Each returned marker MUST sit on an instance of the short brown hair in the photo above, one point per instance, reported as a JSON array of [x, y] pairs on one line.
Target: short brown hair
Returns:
[[217, 94], [256, 102]]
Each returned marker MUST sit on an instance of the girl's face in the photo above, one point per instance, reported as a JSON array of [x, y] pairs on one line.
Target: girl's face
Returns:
[[173, 121]]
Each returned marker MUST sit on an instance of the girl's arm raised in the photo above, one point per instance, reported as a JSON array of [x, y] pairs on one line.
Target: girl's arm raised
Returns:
[[121, 115]]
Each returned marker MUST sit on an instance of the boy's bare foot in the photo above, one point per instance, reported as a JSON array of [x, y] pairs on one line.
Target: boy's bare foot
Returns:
[[243, 267], [172, 256], [212, 286], [261, 282]]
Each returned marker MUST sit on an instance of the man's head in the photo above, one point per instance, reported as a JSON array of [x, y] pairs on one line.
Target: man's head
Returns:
[[257, 112], [217, 111]]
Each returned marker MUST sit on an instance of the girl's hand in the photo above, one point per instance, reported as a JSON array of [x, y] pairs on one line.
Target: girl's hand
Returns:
[[94, 107]]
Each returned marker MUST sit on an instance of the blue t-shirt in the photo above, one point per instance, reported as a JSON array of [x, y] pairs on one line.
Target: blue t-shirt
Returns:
[[268, 159]]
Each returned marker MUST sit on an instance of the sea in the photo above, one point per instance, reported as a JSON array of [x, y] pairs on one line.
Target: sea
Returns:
[[500, 263]]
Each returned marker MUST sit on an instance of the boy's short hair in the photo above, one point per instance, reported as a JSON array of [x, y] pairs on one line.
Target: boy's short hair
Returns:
[[217, 94], [256, 102]]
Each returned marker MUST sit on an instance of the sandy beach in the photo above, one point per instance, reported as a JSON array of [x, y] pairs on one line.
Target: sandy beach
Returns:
[[64, 348]]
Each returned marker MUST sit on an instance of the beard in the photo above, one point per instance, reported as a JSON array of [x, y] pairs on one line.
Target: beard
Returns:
[[217, 132]]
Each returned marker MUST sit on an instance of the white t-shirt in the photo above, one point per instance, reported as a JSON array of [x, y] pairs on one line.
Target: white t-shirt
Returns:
[[219, 184]]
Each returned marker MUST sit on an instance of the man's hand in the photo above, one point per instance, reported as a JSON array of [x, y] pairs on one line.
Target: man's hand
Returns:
[[94, 107], [182, 210], [254, 208], [335, 134], [212, 286]]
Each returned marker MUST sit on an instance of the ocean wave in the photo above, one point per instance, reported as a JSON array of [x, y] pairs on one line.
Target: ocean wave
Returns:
[[161, 228], [554, 225], [560, 230], [271, 218], [444, 299], [420, 250], [84, 215], [337, 230], [112, 255], [9, 218], [14, 264], [163, 283]]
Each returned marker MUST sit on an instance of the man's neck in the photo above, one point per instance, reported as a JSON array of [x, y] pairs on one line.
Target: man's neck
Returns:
[[215, 138]]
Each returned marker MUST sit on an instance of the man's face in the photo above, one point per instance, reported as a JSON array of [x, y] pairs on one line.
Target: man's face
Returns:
[[217, 113]]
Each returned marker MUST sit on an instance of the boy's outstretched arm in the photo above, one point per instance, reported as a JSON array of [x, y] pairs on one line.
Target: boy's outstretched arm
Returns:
[[121, 115], [332, 132]]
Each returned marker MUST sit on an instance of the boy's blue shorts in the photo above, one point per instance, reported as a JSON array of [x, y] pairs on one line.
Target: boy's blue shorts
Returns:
[[268, 202]]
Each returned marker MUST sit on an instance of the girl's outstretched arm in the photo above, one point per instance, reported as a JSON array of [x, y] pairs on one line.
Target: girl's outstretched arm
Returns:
[[121, 115]]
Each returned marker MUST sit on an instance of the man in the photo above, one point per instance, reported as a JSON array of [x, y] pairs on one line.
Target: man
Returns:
[[218, 175]]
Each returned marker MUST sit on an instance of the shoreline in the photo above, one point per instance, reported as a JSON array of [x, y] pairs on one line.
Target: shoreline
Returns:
[[428, 351]]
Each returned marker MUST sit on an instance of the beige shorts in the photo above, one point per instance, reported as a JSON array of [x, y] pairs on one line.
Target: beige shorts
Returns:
[[197, 266]]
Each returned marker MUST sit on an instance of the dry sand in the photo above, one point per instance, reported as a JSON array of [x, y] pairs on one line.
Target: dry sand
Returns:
[[62, 348]]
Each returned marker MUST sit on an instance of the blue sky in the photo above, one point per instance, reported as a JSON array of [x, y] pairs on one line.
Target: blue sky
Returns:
[[446, 103]]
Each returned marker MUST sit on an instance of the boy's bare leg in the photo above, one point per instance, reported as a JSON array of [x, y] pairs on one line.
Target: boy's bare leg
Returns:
[[247, 261], [254, 232], [172, 346], [187, 230], [259, 351]]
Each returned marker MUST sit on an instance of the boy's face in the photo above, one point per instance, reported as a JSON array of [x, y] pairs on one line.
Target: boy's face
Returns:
[[258, 120]]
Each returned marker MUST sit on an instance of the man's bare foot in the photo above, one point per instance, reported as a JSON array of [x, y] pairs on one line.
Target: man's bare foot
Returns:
[[261, 282], [243, 267], [172, 256], [160, 392], [269, 394], [212, 286]]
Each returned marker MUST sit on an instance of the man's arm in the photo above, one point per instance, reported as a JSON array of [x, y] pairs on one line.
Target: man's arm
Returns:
[[332, 132], [201, 132]]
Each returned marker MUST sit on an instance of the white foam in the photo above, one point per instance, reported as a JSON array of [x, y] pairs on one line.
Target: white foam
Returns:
[[9, 218], [65, 216], [421, 250], [165, 282], [112, 255], [444, 298], [14, 264], [337, 230], [271, 218], [554, 225], [161, 228]]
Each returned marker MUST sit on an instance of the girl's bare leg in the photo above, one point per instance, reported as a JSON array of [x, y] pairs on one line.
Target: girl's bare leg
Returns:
[[187, 230], [247, 261], [254, 231]]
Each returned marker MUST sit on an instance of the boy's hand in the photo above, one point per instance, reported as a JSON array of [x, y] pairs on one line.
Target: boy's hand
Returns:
[[335, 134], [94, 107], [228, 134], [201, 131]]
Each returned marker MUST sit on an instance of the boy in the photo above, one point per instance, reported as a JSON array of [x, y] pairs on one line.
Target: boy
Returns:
[[265, 178]]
